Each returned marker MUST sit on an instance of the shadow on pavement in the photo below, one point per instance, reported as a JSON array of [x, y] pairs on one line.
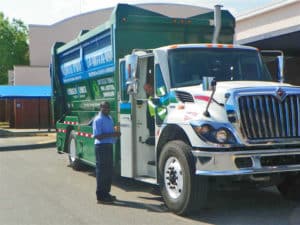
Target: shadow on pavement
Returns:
[[27, 147], [139, 205]]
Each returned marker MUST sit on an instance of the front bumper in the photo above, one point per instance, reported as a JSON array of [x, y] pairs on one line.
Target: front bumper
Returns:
[[227, 163]]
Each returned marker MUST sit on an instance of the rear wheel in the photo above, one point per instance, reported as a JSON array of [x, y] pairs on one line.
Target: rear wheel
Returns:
[[72, 149], [181, 189]]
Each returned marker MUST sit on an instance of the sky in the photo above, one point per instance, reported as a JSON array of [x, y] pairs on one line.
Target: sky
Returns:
[[47, 12]]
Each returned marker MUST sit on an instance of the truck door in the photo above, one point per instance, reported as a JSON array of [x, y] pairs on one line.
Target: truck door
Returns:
[[137, 126]]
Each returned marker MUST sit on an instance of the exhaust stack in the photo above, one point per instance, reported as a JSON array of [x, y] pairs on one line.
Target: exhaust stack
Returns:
[[217, 23]]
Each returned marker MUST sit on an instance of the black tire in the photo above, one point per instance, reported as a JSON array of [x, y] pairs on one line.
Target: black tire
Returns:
[[182, 190], [72, 150], [290, 187]]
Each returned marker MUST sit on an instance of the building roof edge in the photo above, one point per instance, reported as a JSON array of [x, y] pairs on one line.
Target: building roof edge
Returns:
[[265, 8]]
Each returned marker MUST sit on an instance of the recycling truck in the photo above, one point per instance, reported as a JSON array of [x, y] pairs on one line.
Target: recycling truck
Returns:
[[219, 118]]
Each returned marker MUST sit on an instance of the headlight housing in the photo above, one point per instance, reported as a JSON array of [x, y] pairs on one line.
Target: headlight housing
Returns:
[[210, 133], [222, 135]]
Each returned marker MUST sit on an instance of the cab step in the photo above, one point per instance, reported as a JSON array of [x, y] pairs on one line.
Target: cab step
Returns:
[[146, 179]]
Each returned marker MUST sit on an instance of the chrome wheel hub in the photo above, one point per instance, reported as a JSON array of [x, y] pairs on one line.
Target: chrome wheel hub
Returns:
[[173, 177], [72, 152]]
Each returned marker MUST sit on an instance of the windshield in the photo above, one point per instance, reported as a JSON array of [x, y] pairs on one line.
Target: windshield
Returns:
[[189, 65]]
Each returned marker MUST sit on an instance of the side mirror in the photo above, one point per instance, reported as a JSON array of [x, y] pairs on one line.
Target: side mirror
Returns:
[[209, 83], [131, 62], [280, 60], [132, 86], [272, 55]]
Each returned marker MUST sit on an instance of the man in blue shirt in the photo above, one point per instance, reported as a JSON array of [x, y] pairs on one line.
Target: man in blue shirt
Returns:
[[105, 136]]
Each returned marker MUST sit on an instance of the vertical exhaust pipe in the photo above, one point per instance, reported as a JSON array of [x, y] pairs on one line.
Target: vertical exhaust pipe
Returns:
[[217, 23]]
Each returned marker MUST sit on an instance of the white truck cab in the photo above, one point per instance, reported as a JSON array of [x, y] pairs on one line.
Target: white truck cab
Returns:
[[219, 116]]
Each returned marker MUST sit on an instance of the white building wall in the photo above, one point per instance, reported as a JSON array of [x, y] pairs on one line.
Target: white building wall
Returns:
[[42, 38], [29, 75]]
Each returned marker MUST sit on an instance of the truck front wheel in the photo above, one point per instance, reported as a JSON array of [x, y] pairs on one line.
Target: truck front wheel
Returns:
[[181, 189]]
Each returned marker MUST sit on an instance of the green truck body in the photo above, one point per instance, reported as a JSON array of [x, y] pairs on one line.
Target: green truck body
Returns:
[[84, 72]]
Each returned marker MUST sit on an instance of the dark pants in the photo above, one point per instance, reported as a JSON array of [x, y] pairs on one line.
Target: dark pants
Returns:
[[150, 123], [104, 168]]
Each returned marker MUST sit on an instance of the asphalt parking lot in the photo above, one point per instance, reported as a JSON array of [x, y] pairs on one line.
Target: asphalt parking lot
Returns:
[[38, 187]]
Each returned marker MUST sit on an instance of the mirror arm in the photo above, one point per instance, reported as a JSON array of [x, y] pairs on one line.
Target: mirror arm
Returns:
[[215, 101], [213, 85]]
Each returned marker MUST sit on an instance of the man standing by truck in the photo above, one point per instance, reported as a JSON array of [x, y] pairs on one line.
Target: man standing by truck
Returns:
[[105, 136]]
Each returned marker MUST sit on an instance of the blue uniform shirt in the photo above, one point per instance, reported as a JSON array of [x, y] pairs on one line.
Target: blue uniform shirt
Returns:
[[103, 125]]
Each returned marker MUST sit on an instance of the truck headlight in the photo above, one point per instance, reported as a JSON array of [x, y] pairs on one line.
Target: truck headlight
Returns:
[[203, 130], [220, 135]]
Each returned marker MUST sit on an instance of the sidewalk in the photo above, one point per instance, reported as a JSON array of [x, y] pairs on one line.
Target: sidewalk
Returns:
[[18, 139], [10, 132]]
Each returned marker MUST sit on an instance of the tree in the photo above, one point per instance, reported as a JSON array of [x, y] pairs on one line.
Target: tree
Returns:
[[14, 49]]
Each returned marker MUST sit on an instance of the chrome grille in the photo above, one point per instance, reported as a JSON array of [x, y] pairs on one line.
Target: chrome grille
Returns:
[[266, 117]]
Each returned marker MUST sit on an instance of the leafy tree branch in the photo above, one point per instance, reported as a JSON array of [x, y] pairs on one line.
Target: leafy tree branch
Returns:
[[14, 49]]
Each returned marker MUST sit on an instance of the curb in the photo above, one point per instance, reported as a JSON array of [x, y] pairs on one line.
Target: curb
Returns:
[[4, 133], [28, 147]]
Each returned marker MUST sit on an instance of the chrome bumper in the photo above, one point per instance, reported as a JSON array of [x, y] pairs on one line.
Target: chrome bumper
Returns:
[[257, 162]]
